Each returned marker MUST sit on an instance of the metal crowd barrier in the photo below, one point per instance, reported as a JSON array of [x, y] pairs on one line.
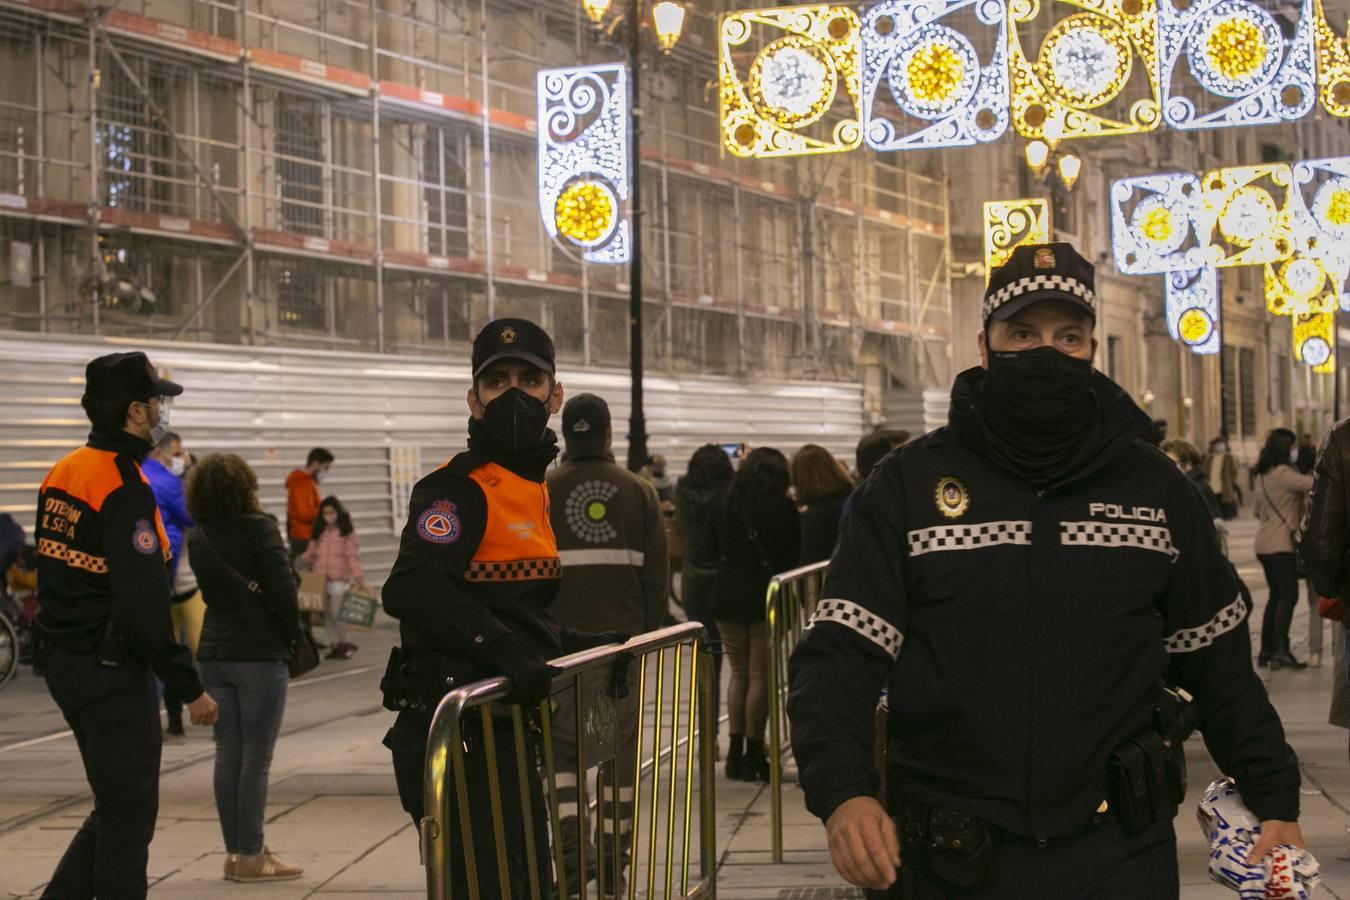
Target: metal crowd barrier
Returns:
[[791, 599], [671, 675]]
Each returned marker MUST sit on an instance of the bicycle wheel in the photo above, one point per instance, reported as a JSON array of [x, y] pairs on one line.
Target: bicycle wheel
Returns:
[[9, 651]]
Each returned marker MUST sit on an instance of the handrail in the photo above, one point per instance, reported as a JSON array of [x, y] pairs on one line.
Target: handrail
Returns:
[[445, 759], [791, 597]]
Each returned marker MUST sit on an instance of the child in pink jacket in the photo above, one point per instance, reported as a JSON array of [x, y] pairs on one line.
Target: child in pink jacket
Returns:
[[334, 553]]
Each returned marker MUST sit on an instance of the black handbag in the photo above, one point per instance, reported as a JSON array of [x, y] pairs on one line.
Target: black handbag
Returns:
[[304, 656]]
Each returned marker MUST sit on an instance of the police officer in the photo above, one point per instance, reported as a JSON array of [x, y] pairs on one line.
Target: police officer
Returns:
[[104, 623], [476, 575], [1026, 583]]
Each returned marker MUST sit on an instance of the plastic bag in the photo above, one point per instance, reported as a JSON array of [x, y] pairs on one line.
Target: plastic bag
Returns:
[[1287, 871]]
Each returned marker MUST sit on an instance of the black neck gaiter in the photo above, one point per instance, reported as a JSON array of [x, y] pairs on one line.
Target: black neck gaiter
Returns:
[[1039, 413], [531, 462]]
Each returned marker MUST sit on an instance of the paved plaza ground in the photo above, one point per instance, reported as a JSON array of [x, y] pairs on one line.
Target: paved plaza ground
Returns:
[[333, 807]]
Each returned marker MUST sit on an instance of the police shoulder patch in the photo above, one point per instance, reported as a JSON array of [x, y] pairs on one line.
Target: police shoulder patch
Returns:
[[952, 498], [439, 523], [144, 538]]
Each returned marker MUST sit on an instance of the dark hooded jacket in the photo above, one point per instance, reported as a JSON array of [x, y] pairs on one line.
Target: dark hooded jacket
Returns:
[[1022, 631]]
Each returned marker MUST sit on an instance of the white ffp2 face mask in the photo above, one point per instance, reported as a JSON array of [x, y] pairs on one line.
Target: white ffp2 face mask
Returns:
[[178, 465]]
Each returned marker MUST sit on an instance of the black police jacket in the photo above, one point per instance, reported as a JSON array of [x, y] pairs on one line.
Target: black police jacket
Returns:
[[1021, 632]]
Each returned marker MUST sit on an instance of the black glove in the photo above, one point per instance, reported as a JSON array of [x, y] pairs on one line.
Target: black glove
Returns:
[[531, 675], [576, 641], [618, 675]]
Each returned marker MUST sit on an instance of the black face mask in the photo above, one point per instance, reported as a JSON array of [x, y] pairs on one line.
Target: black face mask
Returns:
[[516, 422], [1040, 389]]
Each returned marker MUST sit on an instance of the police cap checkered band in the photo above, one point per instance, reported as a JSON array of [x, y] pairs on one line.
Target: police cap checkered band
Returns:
[[1040, 272]]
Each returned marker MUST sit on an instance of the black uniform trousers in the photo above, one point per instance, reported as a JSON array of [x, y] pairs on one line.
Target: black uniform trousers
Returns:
[[1103, 863], [407, 741], [114, 713]]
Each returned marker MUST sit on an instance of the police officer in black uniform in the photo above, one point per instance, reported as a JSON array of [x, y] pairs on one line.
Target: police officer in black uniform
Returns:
[[1032, 584], [104, 627], [476, 576]]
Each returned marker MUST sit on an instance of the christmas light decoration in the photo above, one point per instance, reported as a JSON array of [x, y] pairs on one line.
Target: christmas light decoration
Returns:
[[595, 9], [1192, 305], [1008, 224], [1312, 341], [1320, 216], [583, 159], [1076, 85], [1069, 167], [944, 95], [1153, 222], [1038, 155], [1333, 63], [668, 17], [1234, 51], [795, 81], [1245, 215]]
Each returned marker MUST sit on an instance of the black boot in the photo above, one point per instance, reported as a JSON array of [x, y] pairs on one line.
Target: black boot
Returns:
[[1263, 660], [735, 757], [1283, 659], [756, 766]]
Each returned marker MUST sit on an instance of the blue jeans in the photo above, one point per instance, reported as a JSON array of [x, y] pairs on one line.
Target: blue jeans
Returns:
[[252, 698]]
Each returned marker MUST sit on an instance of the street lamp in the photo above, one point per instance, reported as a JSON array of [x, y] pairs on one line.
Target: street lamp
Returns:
[[668, 22], [1039, 155]]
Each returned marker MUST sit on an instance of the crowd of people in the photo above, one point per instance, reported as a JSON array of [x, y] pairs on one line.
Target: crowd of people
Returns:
[[161, 579]]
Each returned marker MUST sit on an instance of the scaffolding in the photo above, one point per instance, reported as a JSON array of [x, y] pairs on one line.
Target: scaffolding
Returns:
[[360, 175]]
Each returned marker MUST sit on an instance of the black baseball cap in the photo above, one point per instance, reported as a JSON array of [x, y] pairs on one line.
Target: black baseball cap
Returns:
[[584, 419], [1037, 272], [125, 376], [518, 339]]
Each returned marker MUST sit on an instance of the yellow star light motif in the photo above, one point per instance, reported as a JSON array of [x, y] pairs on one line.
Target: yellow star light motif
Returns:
[[1338, 208], [1157, 225], [1194, 326], [585, 212], [1235, 48], [934, 72]]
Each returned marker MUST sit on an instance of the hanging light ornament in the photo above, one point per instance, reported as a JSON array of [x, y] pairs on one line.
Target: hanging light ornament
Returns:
[[595, 9], [1038, 154], [1069, 167], [1333, 64], [669, 19]]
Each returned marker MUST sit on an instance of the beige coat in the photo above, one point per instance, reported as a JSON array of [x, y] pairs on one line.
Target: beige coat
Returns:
[[1279, 498]]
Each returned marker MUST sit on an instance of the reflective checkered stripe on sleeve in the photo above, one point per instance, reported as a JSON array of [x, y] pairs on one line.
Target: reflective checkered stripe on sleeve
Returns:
[[852, 616], [1187, 640], [1112, 534], [968, 537]]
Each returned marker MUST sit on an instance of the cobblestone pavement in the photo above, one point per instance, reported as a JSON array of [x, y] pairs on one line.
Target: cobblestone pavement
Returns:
[[333, 807]]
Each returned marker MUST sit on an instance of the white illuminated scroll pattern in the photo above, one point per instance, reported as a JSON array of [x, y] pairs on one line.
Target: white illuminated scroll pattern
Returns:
[[1193, 309], [1153, 224], [1320, 214], [584, 160], [945, 95]]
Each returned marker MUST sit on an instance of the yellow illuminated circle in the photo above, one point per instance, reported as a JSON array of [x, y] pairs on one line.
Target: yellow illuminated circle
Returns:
[[793, 82], [1195, 326], [1086, 60], [1162, 227], [1331, 208], [1237, 46], [1248, 215], [935, 71], [586, 212]]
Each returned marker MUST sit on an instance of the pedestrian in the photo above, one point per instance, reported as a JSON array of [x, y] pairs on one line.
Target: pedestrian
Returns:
[[1323, 548], [473, 588], [302, 498], [1280, 493], [1305, 457], [872, 448], [758, 536], [334, 552], [163, 469], [104, 625], [655, 474], [1026, 580], [822, 487], [1159, 433], [699, 495], [1305, 460], [1221, 469], [1187, 458], [612, 543], [252, 622]]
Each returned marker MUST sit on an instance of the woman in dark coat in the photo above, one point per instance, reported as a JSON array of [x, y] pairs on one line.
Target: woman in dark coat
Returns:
[[758, 536], [244, 573], [698, 502], [822, 486]]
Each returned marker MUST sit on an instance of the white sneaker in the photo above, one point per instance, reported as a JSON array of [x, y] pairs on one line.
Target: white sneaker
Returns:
[[1315, 660]]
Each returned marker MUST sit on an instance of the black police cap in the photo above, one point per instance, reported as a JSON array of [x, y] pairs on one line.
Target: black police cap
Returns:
[[584, 419], [518, 339], [1037, 272], [125, 376]]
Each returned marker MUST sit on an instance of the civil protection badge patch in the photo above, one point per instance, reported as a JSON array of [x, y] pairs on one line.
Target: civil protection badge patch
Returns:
[[438, 523], [143, 537]]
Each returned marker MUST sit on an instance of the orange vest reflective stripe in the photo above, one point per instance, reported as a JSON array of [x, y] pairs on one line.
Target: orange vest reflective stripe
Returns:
[[518, 542]]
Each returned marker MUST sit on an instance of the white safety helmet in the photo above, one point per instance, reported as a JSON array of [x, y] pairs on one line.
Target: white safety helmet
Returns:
[[1287, 871]]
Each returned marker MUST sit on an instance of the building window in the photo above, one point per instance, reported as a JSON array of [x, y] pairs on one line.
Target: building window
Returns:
[[300, 302], [1247, 389], [1113, 357], [299, 155], [1230, 381]]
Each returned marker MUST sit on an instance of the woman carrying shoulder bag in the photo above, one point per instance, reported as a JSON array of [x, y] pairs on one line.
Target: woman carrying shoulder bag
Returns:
[[1280, 493], [252, 622]]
